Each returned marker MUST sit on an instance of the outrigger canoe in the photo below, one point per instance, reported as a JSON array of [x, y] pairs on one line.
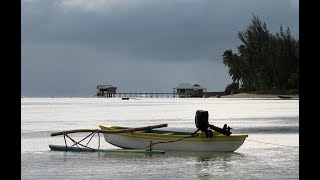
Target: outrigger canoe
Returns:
[[211, 138], [172, 140]]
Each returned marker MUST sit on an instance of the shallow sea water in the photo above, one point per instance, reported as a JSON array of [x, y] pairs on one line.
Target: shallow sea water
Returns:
[[270, 152]]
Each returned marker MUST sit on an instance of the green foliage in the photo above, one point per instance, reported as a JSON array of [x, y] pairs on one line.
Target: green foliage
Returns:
[[232, 88], [293, 81], [264, 61]]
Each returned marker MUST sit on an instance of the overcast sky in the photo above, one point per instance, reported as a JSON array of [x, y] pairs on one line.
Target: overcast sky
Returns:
[[71, 46]]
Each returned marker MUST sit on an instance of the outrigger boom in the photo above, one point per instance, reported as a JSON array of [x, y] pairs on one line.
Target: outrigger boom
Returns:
[[109, 132], [93, 132]]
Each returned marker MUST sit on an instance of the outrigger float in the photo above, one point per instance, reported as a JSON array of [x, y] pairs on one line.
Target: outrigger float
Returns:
[[148, 140]]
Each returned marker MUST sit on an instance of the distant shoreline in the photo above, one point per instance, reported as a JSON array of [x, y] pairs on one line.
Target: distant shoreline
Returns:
[[249, 95], [238, 95]]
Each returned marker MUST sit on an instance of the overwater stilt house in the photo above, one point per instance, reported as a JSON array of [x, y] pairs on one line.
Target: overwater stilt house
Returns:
[[106, 91], [188, 90]]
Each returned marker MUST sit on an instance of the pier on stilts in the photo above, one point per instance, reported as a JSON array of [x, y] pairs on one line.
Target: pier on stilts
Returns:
[[145, 95]]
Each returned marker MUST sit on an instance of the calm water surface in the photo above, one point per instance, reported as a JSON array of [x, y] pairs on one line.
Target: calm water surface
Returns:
[[270, 152]]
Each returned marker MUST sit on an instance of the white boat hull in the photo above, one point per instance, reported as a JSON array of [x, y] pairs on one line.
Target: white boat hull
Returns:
[[141, 140]]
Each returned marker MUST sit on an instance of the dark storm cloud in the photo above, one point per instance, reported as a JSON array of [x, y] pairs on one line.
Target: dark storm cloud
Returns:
[[76, 70], [71, 45], [170, 31]]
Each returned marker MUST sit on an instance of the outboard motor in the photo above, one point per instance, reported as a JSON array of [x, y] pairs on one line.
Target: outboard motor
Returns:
[[202, 123], [201, 120]]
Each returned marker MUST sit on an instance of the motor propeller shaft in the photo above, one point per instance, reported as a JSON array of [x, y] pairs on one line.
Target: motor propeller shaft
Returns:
[[225, 130]]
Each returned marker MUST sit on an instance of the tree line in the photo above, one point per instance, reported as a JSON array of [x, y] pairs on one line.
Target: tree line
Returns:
[[264, 62]]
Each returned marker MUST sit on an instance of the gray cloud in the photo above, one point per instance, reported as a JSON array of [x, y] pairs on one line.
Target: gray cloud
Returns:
[[70, 46]]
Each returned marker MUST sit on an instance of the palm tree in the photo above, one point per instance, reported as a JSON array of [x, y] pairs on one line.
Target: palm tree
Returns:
[[264, 61], [231, 60]]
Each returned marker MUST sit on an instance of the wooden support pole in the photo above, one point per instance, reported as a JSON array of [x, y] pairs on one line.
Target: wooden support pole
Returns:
[[109, 132]]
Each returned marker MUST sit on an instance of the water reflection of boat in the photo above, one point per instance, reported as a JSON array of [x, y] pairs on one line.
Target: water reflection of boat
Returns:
[[210, 166]]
